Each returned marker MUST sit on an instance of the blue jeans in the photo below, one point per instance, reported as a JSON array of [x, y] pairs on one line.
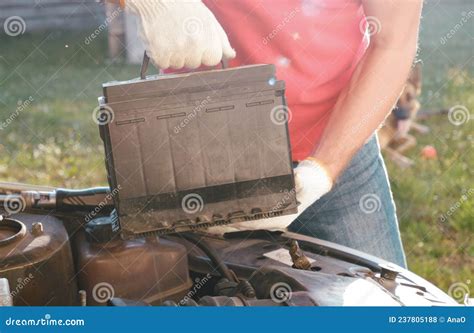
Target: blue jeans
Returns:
[[359, 212]]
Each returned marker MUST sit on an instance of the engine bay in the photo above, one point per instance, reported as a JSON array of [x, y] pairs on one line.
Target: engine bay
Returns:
[[56, 261]]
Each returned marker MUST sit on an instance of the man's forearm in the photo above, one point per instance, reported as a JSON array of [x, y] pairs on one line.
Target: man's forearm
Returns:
[[375, 85], [363, 105]]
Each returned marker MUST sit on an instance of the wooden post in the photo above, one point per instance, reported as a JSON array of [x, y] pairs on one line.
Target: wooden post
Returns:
[[115, 20], [133, 41]]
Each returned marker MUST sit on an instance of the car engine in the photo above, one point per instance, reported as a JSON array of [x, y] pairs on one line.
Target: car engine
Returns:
[[55, 261]]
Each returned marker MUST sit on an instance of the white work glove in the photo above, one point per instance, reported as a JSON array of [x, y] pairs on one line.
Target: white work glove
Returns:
[[180, 33], [312, 182]]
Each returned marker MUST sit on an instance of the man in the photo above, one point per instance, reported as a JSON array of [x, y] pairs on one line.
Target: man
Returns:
[[345, 63]]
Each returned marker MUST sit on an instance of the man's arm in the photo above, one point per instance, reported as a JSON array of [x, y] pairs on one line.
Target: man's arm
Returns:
[[375, 85]]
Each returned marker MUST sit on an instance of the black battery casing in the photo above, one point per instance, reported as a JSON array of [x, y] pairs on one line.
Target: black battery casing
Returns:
[[197, 149]]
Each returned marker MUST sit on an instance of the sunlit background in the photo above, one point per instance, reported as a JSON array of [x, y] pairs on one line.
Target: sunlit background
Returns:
[[52, 68]]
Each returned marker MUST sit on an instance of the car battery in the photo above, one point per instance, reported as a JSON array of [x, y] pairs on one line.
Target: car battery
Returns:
[[198, 149]]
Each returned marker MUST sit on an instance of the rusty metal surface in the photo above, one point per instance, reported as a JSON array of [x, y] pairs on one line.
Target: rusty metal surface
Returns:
[[39, 264], [300, 261]]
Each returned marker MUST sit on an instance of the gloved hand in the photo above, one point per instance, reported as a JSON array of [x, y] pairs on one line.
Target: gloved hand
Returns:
[[312, 181], [180, 33]]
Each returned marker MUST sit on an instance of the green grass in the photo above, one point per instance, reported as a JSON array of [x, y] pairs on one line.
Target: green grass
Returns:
[[441, 249], [55, 142]]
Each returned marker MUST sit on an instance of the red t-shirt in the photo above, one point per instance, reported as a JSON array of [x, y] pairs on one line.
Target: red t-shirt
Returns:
[[315, 45]]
